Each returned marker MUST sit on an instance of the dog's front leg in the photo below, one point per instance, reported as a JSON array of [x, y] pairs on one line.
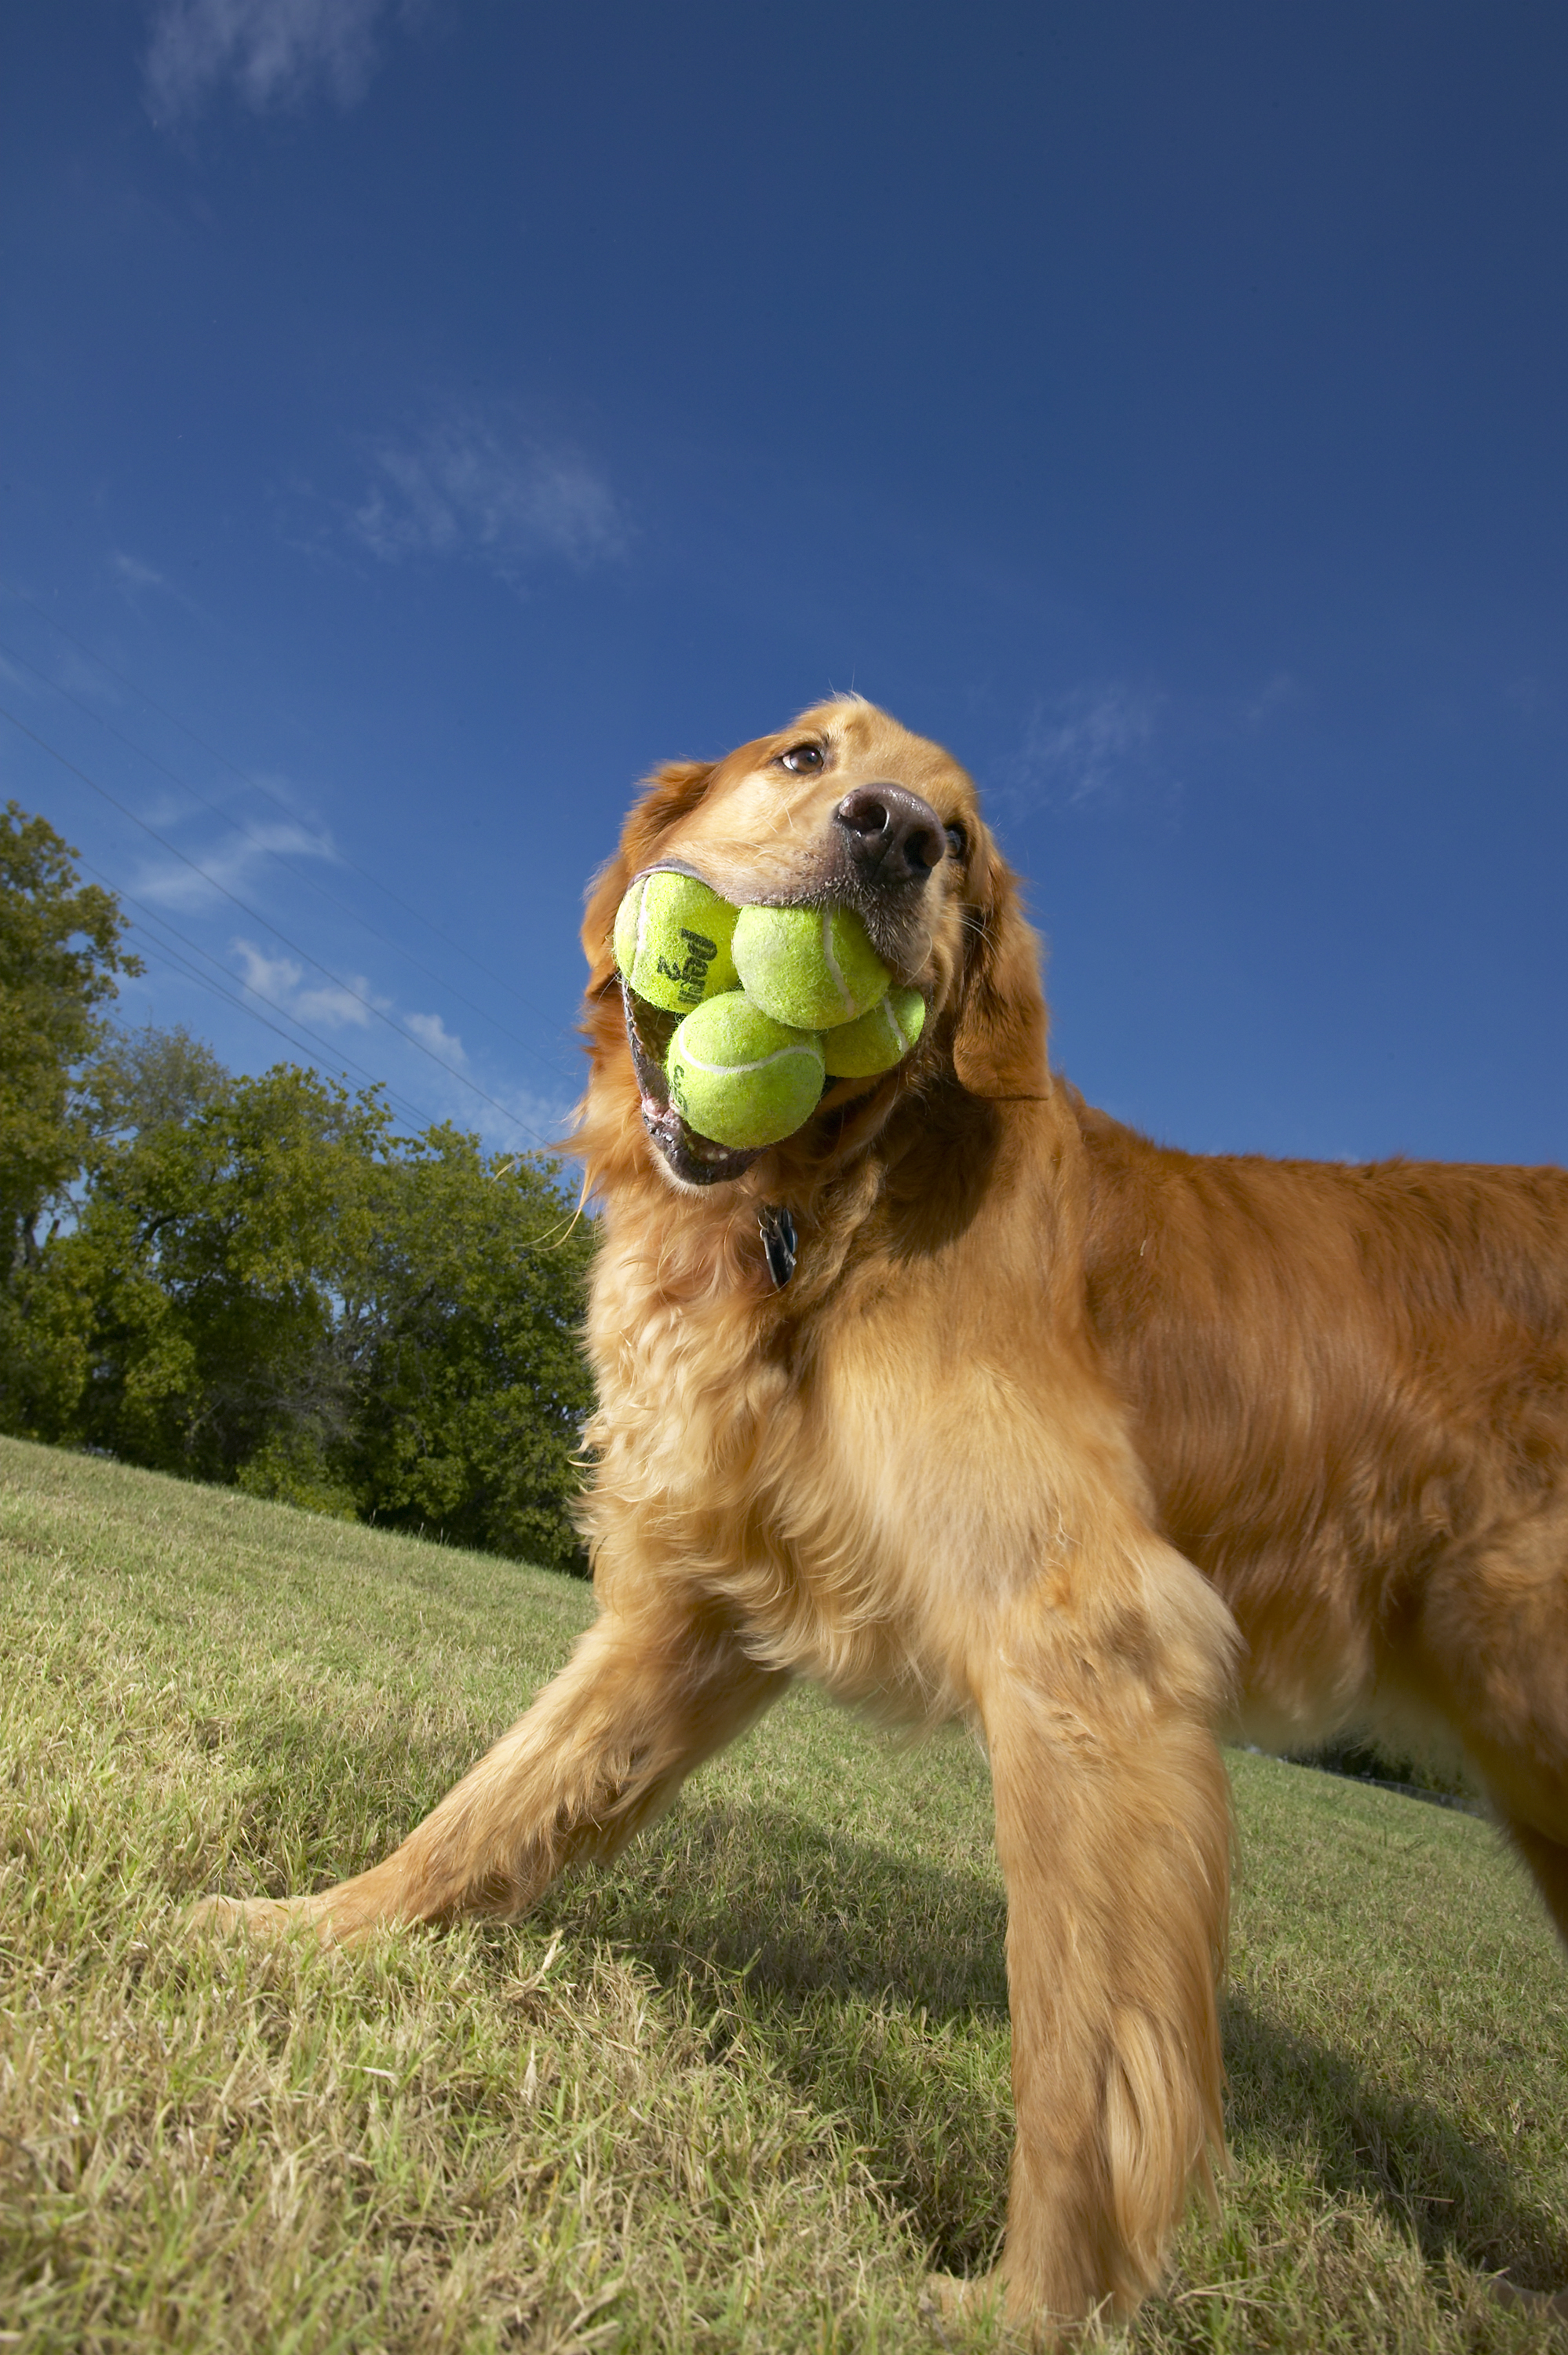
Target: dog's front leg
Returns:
[[1113, 1829], [647, 1694]]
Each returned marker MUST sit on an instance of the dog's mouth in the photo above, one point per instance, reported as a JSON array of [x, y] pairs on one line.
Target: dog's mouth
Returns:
[[695, 1160]]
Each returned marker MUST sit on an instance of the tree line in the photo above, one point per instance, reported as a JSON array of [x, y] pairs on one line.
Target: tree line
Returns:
[[256, 1279]]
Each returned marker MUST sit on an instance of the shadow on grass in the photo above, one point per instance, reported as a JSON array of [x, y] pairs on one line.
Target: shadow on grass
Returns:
[[830, 1929], [876, 1985], [316, 1803], [801, 1912], [1300, 2102]]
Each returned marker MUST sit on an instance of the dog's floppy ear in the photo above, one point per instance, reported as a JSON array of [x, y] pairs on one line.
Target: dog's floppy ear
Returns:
[[999, 1038], [668, 794]]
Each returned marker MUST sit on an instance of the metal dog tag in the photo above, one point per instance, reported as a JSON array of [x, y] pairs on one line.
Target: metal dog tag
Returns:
[[778, 1231]]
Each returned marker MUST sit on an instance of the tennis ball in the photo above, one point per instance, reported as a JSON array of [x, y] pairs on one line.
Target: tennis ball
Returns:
[[858, 1050], [812, 967], [740, 1078], [672, 941]]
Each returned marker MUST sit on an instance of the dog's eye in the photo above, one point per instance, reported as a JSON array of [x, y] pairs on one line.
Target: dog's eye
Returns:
[[801, 760], [958, 841]]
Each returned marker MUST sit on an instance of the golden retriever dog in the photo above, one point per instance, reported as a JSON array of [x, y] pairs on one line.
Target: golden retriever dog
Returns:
[[968, 1401]]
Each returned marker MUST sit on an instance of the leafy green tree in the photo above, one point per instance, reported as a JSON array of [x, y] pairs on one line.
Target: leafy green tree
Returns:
[[148, 1079], [265, 1285], [61, 952], [213, 1251], [471, 1384]]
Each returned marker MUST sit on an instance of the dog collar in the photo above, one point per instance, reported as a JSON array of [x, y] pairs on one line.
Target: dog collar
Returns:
[[776, 1228]]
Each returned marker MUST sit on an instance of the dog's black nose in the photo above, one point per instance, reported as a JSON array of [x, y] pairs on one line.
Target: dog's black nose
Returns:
[[891, 835]]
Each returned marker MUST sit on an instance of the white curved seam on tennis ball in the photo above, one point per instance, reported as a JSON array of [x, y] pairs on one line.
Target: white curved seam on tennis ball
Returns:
[[641, 923], [845, 997], [739, 1070]]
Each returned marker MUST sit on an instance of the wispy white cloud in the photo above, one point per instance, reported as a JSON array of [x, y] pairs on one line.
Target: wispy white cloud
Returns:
[[131, 573], [432, 1032], [86, 680], [515, 1119], [547, 1120], [1085, 747], [271, 52], [1276, 694], [472, 489], [169, 883], [280, 981], [283, 982], [1533, 698]]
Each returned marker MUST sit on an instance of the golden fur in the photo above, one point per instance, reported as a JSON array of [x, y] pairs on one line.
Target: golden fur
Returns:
[[1077, 1438]]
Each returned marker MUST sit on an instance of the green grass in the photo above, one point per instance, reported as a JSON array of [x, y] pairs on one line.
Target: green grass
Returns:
[[735, 2093]]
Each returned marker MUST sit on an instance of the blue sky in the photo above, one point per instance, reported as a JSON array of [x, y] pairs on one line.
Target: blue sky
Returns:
[[416, 421]]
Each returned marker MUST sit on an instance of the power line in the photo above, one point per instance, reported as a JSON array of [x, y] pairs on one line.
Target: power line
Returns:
[[256, 786], [152, 916], [172, 962], [231, 997], [227, 816], [256, 917]]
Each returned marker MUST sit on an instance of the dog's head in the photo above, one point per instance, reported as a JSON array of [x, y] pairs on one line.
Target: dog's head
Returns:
[[844, 805]]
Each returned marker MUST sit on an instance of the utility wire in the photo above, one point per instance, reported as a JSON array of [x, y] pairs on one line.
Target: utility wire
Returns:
[[256, 917], [256, 786], [334, 898], [172, 962], [231, 997], [151, 917]]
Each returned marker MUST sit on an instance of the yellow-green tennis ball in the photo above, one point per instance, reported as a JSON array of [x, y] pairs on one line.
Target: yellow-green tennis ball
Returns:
[[812, 967], [740, 1078], [859, 1050], [673, 939]]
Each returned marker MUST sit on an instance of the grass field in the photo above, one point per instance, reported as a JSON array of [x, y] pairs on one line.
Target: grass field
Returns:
[[735, 2093]]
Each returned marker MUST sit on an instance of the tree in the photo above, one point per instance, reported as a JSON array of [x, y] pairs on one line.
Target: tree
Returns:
[[470, 1385], [59, 955], [214, 1253], [265, 1285], [147, 1079]]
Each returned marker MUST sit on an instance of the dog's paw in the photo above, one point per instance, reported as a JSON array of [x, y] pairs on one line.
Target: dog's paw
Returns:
[[954, 2308], [348, 1915], [270, 1918], [991, 2312]]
